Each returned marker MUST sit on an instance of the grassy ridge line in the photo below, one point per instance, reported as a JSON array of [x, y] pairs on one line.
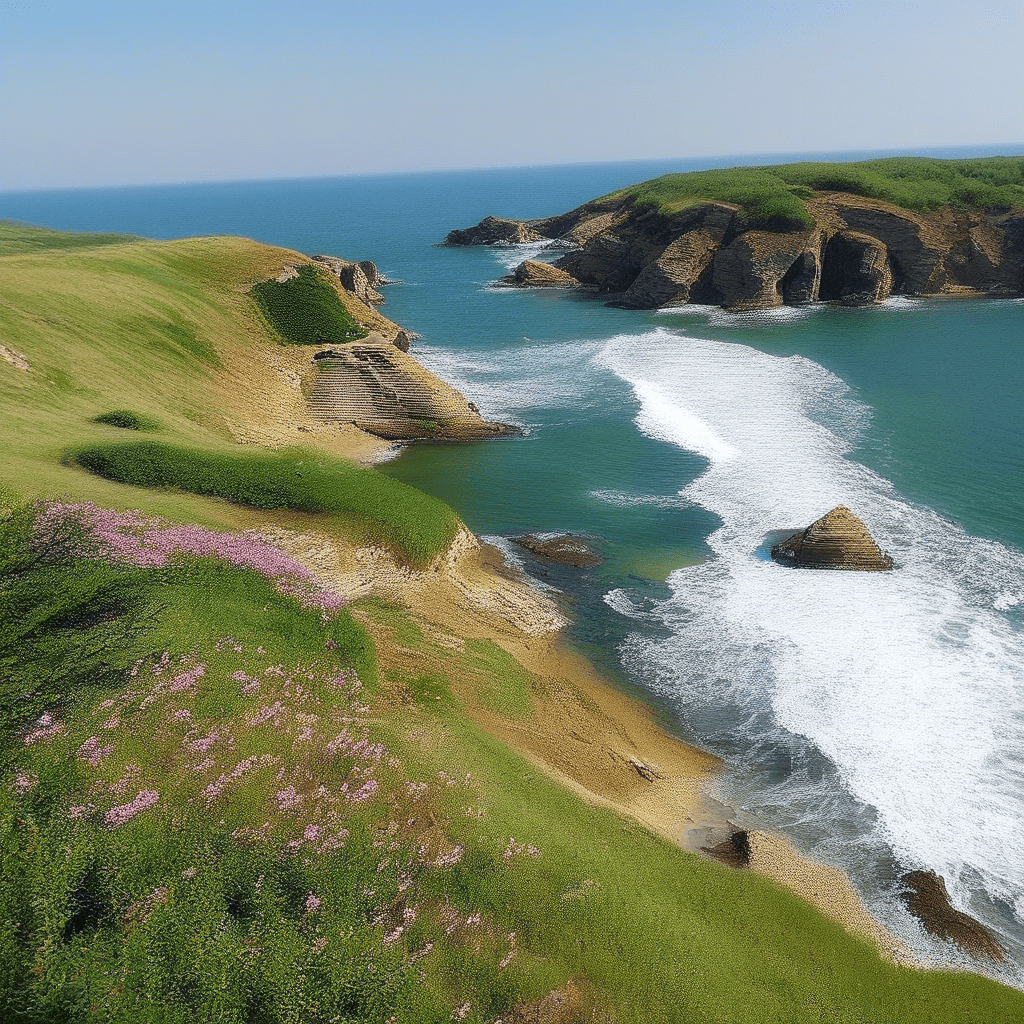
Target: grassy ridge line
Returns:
[[773, 196], [415, 525]]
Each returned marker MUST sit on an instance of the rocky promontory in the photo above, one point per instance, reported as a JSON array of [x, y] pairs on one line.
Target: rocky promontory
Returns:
[[815, 244], [838, 540]]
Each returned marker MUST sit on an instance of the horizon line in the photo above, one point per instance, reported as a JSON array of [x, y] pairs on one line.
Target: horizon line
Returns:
[[838, 156]]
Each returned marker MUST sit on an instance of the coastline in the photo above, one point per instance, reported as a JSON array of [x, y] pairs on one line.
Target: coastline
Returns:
[[599, 742]]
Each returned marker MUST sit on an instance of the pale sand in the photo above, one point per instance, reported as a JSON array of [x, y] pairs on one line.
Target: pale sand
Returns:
[[600, 743]]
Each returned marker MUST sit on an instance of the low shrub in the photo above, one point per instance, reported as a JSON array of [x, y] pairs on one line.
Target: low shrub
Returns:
[[127, 420], [381, 510], [306, 310]]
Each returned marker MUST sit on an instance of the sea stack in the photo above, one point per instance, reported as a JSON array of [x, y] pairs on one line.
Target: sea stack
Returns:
[[838, 540]]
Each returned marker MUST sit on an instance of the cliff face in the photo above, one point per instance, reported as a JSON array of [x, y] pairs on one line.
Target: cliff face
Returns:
[[859, 251]]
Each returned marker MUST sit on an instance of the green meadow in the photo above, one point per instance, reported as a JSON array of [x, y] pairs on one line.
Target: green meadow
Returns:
[[773, 197], [222, 802]]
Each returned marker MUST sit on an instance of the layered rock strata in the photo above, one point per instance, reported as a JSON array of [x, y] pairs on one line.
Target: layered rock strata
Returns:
[[858, 252], [838, 540], [378, 388], [534, 274]]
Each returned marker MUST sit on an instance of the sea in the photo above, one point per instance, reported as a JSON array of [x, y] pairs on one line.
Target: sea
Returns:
[[875, 719]]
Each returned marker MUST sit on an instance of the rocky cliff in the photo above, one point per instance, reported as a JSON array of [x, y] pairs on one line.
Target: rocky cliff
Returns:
[[856, 251]]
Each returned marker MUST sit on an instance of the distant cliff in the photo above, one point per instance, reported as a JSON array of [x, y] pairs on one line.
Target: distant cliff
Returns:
[[754, 238]]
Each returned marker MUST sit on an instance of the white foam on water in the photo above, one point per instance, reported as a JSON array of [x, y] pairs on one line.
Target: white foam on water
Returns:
[[509, 382], [510, 256], [629, 499], [910, 682]]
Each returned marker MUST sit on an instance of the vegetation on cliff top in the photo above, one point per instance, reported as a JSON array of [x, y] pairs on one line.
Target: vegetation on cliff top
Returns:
[[381, 510], [773, 197], [306, 310]]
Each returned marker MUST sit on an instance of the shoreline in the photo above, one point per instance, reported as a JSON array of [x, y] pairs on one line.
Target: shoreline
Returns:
[[603, 744]]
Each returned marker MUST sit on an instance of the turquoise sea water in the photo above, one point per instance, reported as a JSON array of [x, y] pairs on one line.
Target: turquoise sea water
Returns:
[[878, 720]]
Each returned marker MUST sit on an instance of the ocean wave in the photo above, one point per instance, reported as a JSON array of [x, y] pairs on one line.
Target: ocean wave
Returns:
[[911, 683], [629, 499], [516, 379]]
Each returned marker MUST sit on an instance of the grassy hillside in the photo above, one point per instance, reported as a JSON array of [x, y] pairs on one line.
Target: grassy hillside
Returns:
[[120, 331], [306, 310], [225, 795], [773, 196]]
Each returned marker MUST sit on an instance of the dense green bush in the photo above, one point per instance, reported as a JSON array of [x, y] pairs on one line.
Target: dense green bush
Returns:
[[306, 310], [67, 619], [383, 510], [127, 420]]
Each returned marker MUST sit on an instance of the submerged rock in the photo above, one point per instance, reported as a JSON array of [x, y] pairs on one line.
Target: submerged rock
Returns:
[[928, 900], [565, 550], [838, 540]]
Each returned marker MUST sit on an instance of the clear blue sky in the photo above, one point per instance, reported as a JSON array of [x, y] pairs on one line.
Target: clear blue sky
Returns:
[[111, 92]]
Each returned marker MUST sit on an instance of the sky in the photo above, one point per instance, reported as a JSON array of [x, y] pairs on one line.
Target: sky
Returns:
[[110, 92]]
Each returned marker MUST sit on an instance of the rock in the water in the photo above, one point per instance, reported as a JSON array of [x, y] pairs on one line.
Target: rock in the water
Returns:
[[838, 540], [534, 274], [565, 550], [493, 231], [928, 900]]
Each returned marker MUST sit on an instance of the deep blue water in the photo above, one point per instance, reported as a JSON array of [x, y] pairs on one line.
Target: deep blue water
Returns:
[[878, 720]]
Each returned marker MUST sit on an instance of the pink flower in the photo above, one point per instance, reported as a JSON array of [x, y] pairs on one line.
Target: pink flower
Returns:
[[461, 1012], [93, 753], [24, 782], [125, 812], [312, 904], [46, 729]]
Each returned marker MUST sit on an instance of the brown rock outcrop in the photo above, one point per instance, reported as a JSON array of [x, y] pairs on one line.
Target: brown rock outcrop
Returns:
[[928, 900], [494, 231], [534, 274], [917, 246], [856, 270], [838, 540], [359, 278], [750, 271], [858, 252], [565, 549]]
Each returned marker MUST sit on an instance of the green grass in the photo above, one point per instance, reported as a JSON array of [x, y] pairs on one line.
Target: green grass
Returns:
[[660, 936], [23, 238], [413, 524], [306, 310], [772, 197], [126, 420], [503, 685]]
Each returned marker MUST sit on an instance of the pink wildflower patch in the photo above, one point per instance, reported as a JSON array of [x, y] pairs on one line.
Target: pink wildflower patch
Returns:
[[312, 904], [187, 680], [125, 812], [46, 728], [93, 752], [134, 538], [24, 782]]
